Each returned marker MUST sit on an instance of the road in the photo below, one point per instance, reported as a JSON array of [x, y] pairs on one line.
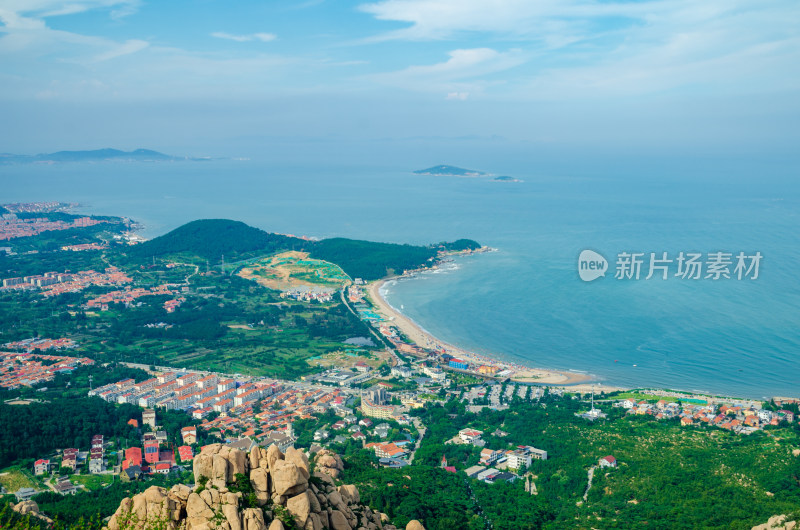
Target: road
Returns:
[[422, 430], [590, 474], [394, 359]]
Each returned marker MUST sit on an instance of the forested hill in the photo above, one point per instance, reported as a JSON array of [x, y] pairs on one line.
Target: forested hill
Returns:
[[211, 239], [371, 261]]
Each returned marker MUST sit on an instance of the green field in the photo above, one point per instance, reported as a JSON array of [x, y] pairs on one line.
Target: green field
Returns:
[[92, 482], [14, 478], [647, 397]]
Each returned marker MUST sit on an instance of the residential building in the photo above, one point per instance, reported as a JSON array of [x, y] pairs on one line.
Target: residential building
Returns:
[[458, 364], [470, 436], [490, 456], [518, 458], [133, 457], [96, 465], [608, 461], [189, 435], [185, 452], [151, 452], [25, 494], [402, 371], [41, 467], [149, 418]]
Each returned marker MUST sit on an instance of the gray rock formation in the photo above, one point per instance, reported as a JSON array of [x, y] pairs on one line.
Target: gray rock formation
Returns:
[[283, 486]]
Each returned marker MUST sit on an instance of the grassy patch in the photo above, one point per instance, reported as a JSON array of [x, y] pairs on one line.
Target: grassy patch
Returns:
[[92, 482], [648, 397], [14, 478]]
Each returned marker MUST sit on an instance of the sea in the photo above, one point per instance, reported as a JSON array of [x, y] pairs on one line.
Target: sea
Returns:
[[525, 302]]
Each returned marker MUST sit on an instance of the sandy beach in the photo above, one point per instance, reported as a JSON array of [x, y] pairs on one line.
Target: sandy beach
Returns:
[[419, 336]]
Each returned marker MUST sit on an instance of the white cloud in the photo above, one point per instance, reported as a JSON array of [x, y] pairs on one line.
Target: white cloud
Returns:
[[596, 47], [51, 8], [461, 73], [457, 96], [263, 37], [126, 48]]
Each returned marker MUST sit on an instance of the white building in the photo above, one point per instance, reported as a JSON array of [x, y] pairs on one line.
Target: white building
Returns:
[[402, 371], [517, 459]]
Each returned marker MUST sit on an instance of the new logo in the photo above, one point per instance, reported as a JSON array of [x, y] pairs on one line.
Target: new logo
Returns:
[[591, 265]]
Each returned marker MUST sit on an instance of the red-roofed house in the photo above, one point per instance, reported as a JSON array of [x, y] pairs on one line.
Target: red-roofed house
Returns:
[[189, 435], [151, 452], [185, 453], [42, 466], [133, 457], [163, 468], [389, 450], [608, 461]]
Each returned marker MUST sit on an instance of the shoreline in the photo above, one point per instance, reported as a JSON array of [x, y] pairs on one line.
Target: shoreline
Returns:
[[576, 381], [520, 374]]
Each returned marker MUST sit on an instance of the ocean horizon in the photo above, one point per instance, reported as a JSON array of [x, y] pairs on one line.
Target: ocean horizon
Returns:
[[525, 302]]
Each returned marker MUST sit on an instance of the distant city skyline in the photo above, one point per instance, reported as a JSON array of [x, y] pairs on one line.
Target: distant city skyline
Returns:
[[514, 76]]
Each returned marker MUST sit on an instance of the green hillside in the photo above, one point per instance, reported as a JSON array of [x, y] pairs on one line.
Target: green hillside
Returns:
[[212, 239], [369, 260]]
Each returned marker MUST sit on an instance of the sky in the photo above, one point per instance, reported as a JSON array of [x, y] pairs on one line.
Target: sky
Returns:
[[402, 78]]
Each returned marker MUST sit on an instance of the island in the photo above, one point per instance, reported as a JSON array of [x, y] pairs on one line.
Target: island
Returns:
[[454, 171], [450, 171], [95, 155]]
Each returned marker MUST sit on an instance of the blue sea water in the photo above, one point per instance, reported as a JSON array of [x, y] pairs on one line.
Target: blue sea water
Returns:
[[524, 302]]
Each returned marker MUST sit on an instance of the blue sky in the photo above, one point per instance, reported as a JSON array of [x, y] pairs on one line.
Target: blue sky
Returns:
[[212, 77]]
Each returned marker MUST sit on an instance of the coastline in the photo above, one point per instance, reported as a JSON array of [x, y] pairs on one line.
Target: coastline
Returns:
[[520, 373]]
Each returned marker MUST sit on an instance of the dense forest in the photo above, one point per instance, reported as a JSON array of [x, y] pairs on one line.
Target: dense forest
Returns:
[[30, 431], [211, 239], [371, 261], [442, 500], [458, 245]]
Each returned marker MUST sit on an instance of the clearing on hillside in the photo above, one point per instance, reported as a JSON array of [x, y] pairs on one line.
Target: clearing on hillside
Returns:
[[294, 270]]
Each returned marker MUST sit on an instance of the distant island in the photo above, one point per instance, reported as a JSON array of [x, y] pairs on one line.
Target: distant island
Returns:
[[450, 171], [454, 171], [96, 155]]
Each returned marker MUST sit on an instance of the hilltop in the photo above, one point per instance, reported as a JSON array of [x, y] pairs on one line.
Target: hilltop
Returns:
[[211, 239]]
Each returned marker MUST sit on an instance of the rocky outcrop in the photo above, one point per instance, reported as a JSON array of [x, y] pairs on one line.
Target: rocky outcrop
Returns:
[[414, 525], [32, 509], [777, 522], [328, 462], [259, 490]]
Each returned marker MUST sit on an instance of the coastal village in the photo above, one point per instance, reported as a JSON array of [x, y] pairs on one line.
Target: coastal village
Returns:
[[371, 395], [246, 412], [353, 403], [12, 227]]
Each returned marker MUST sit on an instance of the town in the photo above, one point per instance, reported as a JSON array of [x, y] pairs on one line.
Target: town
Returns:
[[32, 369]]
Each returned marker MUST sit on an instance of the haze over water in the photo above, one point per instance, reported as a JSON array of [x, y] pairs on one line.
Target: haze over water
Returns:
[[524, 302]]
